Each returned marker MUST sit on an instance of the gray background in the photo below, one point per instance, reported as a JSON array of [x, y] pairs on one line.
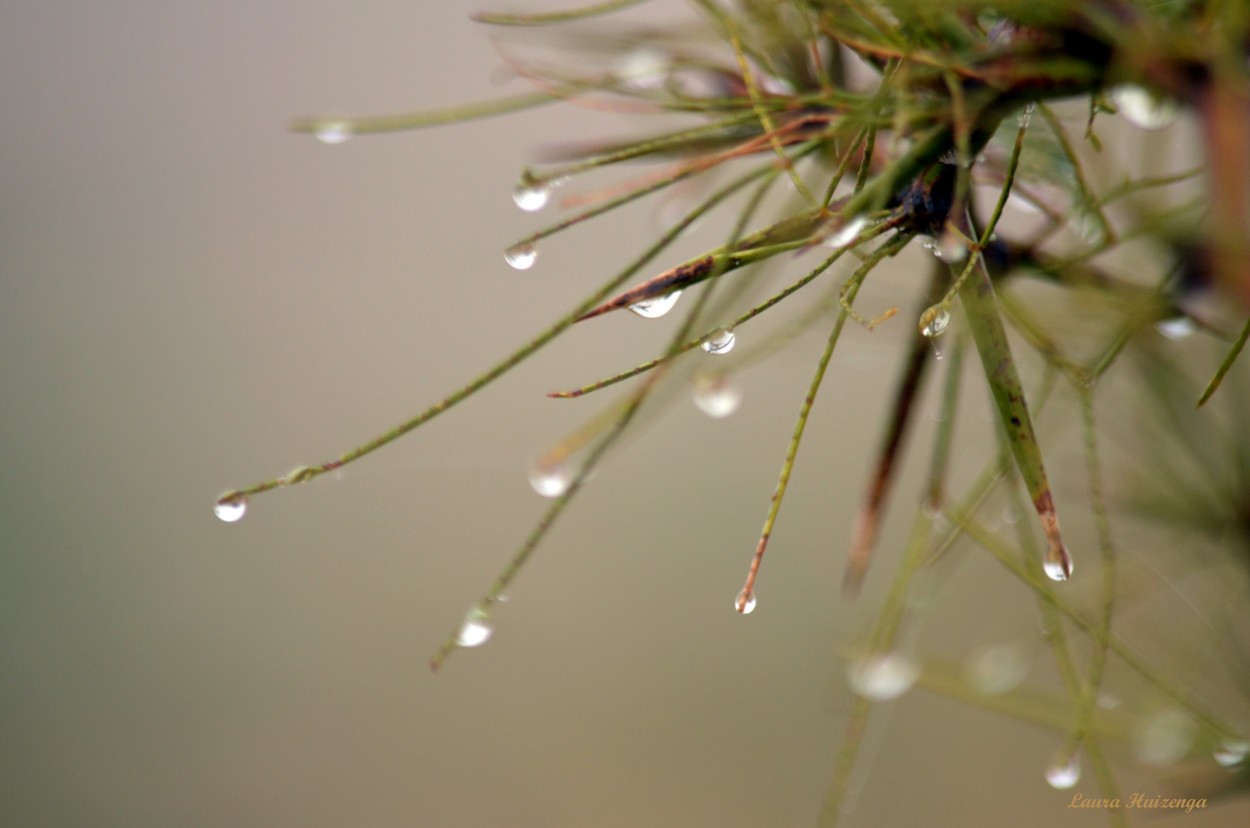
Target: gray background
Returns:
[[196, 299]]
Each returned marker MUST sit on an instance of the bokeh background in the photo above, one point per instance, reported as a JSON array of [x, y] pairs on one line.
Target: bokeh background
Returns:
[[194, 299]]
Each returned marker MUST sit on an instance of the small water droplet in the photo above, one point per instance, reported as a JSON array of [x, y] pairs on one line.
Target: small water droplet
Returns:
[[845, 235], [1026, 115], [883, 676], [719, 341], [934, 321], [521, 256], [476, 629], [332, 132], [1231, 753], [230, 508], [716, 395], [928, 243], [996, 669], [550, 479], [951, 248], [657, 307], [1142, 108], [644, 67], [745, 602], [1164, 737], [1176, 328], [1107, 700], [1057, 570], [1054, 571], [1064, 772], [531, 196]]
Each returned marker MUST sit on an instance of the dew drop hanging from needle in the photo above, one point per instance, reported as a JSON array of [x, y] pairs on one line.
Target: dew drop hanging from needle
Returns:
[[230, 508], [521, 256], [531, 196], [655, 308]]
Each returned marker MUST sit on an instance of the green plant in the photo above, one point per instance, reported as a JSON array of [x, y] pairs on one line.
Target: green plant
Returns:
[[896, 122]]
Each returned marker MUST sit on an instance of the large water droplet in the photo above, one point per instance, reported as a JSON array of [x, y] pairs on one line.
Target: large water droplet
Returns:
[[332, 132], [1064, 772], [657, 307], [847, 233], [531, 196], [1231, 753], [230, 508], [996, 669], [476, 629], [934, 321], [1142, 108], [1164, 737], [883, 676], [716, 395], [720, 341], [745, 602], [550, 479]]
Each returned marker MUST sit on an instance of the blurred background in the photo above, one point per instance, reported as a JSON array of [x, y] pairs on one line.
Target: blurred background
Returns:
[[195, 299]]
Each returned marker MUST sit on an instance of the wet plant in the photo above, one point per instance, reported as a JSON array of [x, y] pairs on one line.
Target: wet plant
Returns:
[[836, 136]]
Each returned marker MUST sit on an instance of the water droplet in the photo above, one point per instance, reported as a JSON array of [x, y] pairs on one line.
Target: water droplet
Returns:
[[1142, 108], [882, 677], [934, 321], [719, 341], [716, 395], [1231, 753], [550, 479], [655, 308], [521, 256], [230, 508], [847, 233], [1057, 569], [996, 669], [1107, 700], [1164, 737], [332, 132], [531, 196], [745, 602], [644, 68], [476, 629], [1178, 327], [928, 243], [951, 248], [1064, 772]]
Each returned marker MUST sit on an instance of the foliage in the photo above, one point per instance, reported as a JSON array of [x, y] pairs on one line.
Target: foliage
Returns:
[[906, 121]]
